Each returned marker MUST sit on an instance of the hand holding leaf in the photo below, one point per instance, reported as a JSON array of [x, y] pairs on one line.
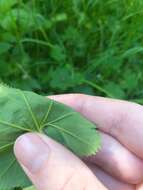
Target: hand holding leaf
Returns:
[[21, 112]]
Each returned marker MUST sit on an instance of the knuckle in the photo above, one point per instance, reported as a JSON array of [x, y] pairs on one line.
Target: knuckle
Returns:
[[85, 103], [80, 102], [68, 181], [125, 117], [132, 179], [116, 125], [77, 179]]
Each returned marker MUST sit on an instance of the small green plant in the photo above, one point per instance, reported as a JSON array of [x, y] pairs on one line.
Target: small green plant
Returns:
[[24, 111], [87, 46]]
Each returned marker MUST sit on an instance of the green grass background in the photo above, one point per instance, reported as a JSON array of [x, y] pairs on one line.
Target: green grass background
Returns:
[[81, 46]]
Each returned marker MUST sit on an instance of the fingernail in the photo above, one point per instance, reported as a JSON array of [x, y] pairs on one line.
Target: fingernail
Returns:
[[31, 151]]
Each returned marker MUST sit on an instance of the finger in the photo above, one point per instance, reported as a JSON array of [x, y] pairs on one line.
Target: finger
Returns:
[[50, 166], [115, 159], [121, 119], [139, 187], [110, 182]]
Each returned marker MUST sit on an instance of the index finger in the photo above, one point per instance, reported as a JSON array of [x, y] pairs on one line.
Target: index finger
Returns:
[[121, 119]]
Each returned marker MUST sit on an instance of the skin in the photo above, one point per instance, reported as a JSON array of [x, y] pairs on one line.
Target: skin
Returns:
[[118, 165]]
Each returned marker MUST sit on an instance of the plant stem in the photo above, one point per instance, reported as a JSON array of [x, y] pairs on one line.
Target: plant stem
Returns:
[[97, 87]]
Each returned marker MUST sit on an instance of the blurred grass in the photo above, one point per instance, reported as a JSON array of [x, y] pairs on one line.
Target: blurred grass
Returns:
[[86, 46]]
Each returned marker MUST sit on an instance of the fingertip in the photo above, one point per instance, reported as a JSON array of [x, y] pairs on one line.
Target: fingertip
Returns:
[[28, 147]]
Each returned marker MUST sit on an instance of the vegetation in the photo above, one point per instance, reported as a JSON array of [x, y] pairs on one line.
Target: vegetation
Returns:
[[87, 46]]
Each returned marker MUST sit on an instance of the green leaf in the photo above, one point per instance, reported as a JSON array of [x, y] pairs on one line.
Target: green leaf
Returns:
[[132, 52], [17, 18], [4, 47], [23, 111], [30, 188], [5, 5], [115, 89], [130, 80], [59, 17], [64, 77], [58, 54]]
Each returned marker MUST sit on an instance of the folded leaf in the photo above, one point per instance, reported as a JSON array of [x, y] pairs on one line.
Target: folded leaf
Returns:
[[23, 111]]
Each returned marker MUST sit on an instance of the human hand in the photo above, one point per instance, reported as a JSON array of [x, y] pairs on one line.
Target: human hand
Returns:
[[117, 166]]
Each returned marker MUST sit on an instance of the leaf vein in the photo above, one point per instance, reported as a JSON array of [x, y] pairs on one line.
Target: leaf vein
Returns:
[[9, 166], [30, 110], [5, 146], [62, 117], [47, 114], [69, 133], [14, 126]]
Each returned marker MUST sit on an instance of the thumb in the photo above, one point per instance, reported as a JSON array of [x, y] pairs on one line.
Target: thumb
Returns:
[[51, 166]]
